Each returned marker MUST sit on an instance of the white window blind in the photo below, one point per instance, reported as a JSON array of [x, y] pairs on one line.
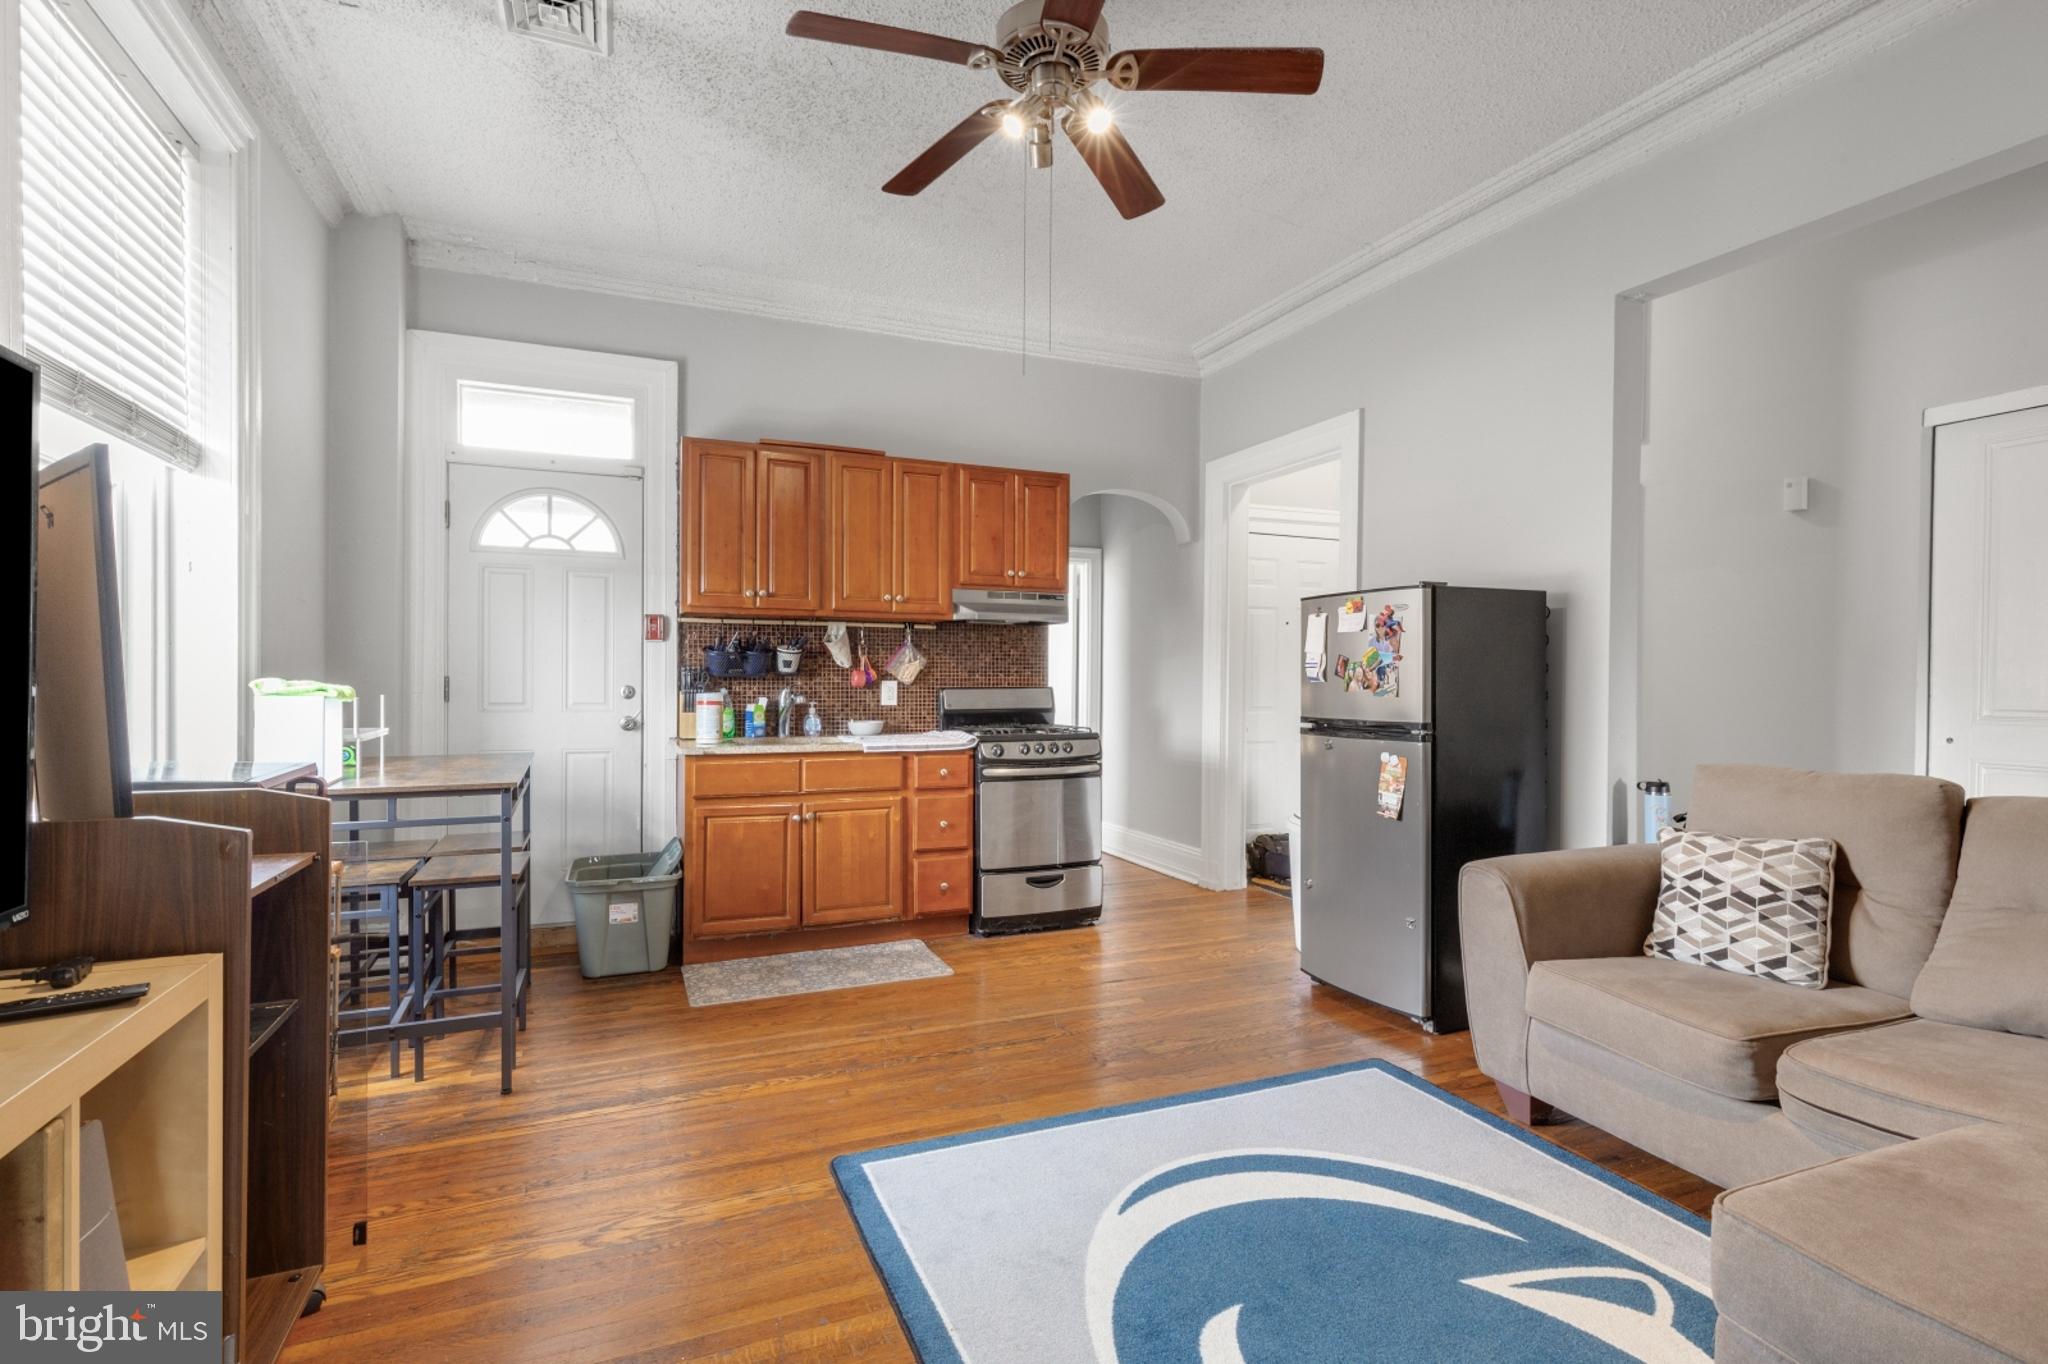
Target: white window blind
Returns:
[[106, 295]]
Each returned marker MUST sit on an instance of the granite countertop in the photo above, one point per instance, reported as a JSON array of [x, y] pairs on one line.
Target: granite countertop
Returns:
[[842, 743]]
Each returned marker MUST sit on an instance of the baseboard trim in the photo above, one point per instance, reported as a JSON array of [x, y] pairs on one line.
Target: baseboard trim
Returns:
[[1178, 860]]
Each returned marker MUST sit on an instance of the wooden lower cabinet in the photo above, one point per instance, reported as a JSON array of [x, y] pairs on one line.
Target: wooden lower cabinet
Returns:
[[776, 845], [853, 860], [744, 867]]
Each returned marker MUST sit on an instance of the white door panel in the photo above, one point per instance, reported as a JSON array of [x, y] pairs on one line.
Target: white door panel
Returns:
[[1279, 571], [1988, 642], [543, 641]]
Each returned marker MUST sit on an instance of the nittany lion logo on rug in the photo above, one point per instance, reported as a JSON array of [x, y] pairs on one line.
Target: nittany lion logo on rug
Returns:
[[1265, 1257]]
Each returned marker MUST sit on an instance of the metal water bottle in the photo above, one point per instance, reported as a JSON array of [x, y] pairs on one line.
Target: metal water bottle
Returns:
[[1656, 809]]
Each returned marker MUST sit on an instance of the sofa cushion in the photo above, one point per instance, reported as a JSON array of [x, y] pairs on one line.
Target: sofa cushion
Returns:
[[1926, 1251], [1754, 906], [1896, 841], [1920, 1077], [1720, 1031], [1990, 964]]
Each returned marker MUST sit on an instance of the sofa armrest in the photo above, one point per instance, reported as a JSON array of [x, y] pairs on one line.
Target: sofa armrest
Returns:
[[1516, 911]]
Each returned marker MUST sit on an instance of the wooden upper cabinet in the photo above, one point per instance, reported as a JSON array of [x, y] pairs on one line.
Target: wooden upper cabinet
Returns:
[[923, 501], [1041, 552], [717, 526], [987, 526], [861, 516], [789, 532]]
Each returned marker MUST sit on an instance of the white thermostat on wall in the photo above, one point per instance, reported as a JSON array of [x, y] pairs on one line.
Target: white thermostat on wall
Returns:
[[1796, 493]]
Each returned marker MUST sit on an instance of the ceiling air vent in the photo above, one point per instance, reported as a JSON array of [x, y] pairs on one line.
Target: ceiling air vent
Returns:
[[585, 24]]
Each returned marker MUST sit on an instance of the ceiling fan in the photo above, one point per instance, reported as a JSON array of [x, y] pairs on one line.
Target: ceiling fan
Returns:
[[1051, 52]]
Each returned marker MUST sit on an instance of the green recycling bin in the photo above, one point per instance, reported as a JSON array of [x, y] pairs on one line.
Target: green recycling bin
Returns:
[[625, 909]]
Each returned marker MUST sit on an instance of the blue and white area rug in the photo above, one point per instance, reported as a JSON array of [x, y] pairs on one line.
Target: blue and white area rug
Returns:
[[1353, 1213]]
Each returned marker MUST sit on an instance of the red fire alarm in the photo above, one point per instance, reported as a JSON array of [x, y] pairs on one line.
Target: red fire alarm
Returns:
[[657, 629]]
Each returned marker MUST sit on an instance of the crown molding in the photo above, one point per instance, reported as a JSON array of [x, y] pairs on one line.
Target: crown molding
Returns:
[[440, 246], [273, 66], [1801, 46]]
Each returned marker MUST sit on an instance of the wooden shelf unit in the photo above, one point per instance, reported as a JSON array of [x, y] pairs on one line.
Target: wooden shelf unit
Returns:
[[150, 1073], [242, 872]]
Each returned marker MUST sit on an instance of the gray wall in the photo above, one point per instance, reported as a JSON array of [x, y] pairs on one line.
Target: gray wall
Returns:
[[368, 302], [1488, 380], [745, 377], [291, 262], [1773, 637], [1151, 675]]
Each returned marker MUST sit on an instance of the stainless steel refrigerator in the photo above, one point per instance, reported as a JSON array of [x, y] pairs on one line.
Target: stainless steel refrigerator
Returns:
[[1423, 747]]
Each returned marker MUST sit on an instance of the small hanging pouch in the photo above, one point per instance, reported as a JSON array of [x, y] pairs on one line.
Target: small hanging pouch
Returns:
[[907, 662]]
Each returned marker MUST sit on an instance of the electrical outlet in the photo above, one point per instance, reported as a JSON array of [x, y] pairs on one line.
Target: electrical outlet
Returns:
[[889, 692]]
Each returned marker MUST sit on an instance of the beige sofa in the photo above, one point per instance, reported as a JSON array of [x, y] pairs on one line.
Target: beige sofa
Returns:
[[1934, 1025]]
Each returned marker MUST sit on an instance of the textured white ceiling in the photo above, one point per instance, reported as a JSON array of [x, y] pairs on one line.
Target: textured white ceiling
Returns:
[[718, 159]]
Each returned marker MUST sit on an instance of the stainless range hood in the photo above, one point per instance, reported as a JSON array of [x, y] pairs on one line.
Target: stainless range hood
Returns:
[[1010, 608]]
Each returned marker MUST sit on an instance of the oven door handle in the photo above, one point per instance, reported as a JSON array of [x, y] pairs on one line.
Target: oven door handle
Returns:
[[1046, 881], [1087, 770]]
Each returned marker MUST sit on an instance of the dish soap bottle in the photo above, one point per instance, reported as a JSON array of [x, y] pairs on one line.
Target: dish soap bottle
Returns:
[[813, 726], [731, 722]]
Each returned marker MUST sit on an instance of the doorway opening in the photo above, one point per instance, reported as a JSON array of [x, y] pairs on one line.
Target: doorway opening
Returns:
[[1279, 522]]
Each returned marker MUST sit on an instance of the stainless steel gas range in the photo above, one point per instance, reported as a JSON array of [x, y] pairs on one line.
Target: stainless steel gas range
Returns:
[[1038, 810]]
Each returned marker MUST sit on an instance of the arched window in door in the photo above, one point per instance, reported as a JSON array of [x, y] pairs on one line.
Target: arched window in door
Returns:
[[547, 521]]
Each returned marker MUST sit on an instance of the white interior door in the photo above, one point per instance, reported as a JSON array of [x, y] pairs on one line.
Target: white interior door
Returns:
[[544, 652], [1279, 571], [1988, 647]]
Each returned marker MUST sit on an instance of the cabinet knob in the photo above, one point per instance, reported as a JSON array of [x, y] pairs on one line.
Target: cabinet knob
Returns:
[[747, 592], [945, 886], [1009, 573], [945, 824], [796, 819], [945, 771]]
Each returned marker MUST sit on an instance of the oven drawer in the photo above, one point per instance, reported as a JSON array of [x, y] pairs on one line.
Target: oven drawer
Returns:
[[1023, 894]]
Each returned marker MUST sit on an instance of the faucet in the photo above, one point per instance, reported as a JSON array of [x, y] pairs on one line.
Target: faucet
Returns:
[[785, 710]]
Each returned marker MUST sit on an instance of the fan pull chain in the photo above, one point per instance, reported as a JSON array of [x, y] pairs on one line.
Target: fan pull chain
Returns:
[[1024, 276], [1048, 259]]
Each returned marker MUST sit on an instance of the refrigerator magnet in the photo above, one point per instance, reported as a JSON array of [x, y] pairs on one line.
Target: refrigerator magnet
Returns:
[[1393, 785], [1351, 616]]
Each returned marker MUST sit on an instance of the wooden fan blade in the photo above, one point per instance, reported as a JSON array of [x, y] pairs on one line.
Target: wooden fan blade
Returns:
[[1122, 174], [1082, 14], [830, 28], [944, 154], [1244, 70]]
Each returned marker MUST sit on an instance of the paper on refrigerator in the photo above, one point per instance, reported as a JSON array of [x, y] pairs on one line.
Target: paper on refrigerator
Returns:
[[1315, 635]]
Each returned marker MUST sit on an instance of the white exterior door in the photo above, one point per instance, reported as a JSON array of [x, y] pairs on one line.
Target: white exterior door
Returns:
[[1280, 569], [544, 650], [1988, 647]]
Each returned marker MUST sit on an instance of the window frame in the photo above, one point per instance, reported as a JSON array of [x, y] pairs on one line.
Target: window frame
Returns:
[[203, 653]]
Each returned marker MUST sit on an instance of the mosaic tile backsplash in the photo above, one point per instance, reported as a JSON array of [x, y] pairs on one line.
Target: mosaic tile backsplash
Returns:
[[957, 654]]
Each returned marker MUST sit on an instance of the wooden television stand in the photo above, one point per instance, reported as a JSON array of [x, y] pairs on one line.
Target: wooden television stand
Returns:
[[242, 873]]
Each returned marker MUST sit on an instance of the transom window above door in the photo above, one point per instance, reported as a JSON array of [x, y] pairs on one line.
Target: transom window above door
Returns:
[[540, 421], [549, 522]]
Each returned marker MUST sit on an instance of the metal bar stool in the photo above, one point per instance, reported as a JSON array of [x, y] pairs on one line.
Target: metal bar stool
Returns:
[[371, 894], [471, 843], [431, 891]]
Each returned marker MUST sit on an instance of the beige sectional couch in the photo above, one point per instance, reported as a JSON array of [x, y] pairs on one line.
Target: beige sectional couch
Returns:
[[1884, 1140]]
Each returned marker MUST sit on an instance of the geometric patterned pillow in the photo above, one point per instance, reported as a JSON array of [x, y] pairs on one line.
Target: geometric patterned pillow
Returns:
[[1754, 906]]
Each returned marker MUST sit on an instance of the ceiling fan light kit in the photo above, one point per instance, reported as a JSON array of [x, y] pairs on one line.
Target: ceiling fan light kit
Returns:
[[1052, 53]]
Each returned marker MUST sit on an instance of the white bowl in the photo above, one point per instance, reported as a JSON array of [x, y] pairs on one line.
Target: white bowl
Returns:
[[864, 729]]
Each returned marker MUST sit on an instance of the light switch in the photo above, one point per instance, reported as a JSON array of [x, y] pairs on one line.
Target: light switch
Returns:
[[889, 691], [1797, 494]]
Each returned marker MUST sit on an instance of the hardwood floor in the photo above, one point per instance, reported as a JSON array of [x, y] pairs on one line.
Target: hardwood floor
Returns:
[[658, 1188]]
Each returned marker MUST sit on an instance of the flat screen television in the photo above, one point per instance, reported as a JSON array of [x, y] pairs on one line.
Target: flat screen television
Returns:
[[18, 396], [81, 714]]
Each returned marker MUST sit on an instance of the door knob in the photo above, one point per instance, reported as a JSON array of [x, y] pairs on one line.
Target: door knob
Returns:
[[629, 691], [629, 722]]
